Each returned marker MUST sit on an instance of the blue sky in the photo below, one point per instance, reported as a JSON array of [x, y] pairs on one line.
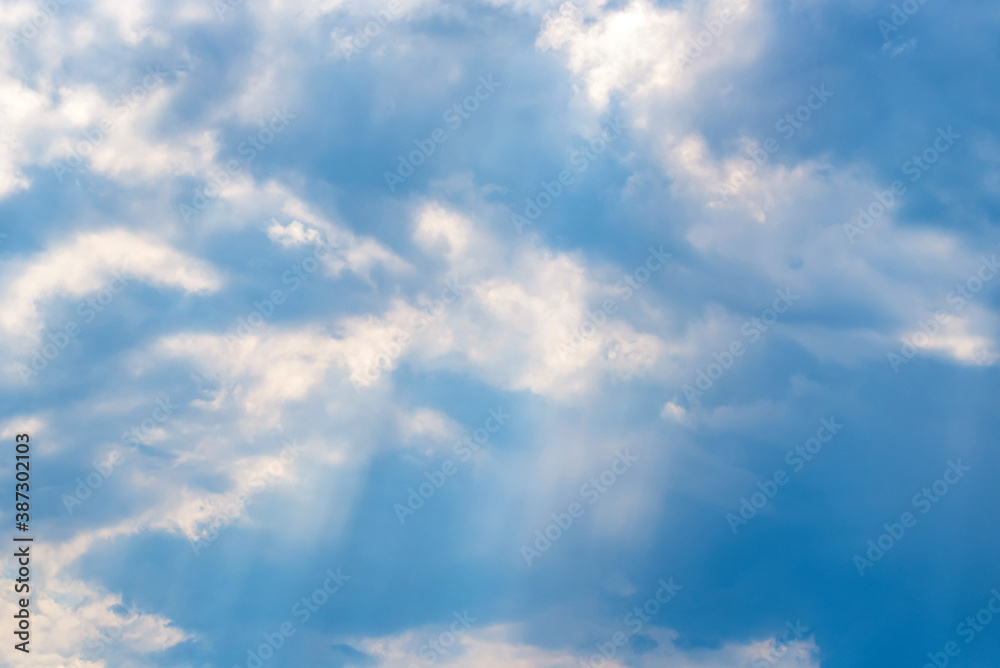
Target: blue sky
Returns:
[[518, 333]]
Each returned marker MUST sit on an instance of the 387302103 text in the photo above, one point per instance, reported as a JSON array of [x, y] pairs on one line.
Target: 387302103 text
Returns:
[[22, 542]]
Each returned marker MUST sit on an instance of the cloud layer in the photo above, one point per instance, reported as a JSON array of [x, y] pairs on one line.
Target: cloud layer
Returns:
[[285, 411]]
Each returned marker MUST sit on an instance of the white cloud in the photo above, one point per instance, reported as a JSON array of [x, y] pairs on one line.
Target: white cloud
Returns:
[[438, 227], [427, 423], [87, 263], [637, 50], [78, 620], [671, 411], [794, 235], [70, 126], [512, 324], [497, 646], [346, 249], [22, 424]]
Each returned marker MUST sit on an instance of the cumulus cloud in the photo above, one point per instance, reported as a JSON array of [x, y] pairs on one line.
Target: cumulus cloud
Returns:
[[85, 263], [86, 627], [807, 211], [425, 308], [516, 324], [497, 645]]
